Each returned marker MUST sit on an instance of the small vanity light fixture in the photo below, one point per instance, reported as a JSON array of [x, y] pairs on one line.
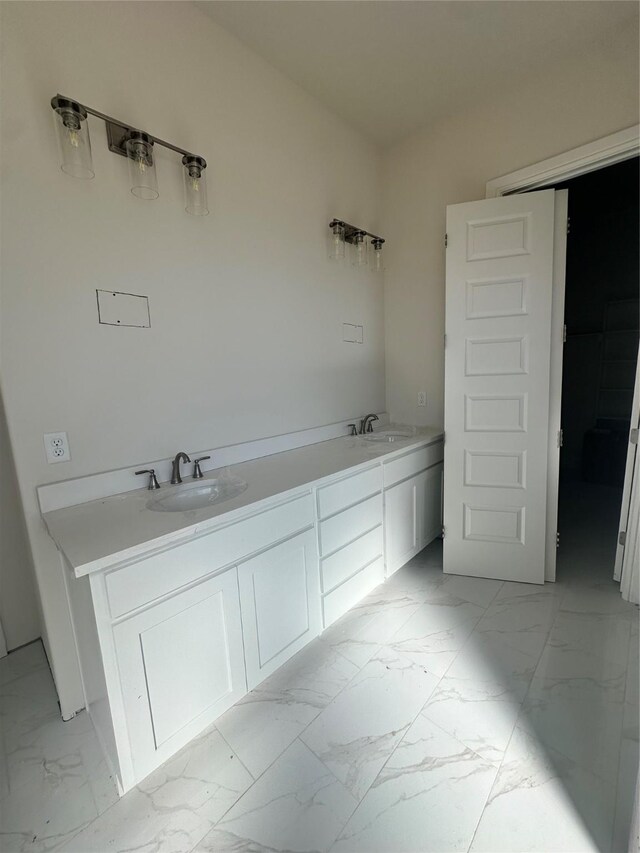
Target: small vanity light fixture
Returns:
[[72, 130], [195, 187], [336, 241], [376, 260], [361, 256], [142, 167]]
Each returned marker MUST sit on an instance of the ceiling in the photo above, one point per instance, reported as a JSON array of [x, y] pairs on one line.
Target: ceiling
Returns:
[[389, 67]]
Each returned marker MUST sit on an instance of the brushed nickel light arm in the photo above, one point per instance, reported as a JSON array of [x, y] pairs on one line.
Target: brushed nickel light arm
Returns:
[[117, 131]]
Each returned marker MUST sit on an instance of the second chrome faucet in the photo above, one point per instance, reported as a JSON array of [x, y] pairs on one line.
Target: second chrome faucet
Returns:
[[184, 457], [366, 423], [175, 468]]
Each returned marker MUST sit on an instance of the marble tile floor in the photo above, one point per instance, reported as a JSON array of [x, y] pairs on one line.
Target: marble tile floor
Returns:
[[442, 713]]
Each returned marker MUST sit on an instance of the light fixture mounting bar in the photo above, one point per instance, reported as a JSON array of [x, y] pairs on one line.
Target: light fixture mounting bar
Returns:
[[117, 132], [350, 231]]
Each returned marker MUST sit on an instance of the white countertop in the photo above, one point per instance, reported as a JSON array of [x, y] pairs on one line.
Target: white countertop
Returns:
[[101, 533]]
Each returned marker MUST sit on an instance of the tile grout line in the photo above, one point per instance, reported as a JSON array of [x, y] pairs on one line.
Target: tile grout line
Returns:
[[511, 736], [237, 756], [465, 643]]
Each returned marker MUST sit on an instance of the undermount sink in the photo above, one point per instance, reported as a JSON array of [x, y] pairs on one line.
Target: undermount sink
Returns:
[[389, 435], [197, 496]]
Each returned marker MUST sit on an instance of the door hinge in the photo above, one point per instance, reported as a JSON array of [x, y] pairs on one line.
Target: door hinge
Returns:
[[442, 532], [560, 438], [568, 225], [564, 334], [557, 538], [633, 436], [622, 537], [446, 240]]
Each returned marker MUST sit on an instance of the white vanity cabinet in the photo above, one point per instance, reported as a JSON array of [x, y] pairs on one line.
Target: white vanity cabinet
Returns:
[[179, 636], [171, 634], [181, 664], [413, 504], [280, 603]]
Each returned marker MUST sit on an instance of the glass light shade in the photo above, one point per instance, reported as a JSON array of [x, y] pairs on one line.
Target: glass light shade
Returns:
[[142, 167], [336, 241], [72, 132], [359, 255], [375, 256], [195, 185]]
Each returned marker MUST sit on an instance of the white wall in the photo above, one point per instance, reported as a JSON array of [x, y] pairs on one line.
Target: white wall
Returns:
[[246, 311], [19, 612], [588, 97]]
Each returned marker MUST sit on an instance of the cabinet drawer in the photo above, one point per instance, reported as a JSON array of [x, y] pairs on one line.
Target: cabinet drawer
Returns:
[[412, 463], [343, 528], [337, 602], [345, 562], [348, 491], [142, 582]]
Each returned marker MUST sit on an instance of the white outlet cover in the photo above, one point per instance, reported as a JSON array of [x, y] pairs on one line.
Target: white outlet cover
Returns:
[[422, 398], [56, 446]]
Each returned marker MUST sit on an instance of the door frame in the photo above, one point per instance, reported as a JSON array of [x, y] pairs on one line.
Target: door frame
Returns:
[[606, 151], [625, 563], [554, 443]]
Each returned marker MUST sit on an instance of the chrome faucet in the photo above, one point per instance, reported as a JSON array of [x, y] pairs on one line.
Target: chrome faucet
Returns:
[[175, 469], [366, 423]]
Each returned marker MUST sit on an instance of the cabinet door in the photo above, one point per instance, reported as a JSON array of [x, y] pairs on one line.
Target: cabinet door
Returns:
[[181, 665], [429, 505], [401, 524], [280, 601]]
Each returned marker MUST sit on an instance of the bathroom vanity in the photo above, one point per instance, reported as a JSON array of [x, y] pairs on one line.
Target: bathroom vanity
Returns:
[[178, 614]]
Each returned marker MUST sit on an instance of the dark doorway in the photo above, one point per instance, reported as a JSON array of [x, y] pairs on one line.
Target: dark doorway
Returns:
[[600, 355]]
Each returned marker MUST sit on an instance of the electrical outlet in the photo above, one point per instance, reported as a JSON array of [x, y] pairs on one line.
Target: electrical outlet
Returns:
[[422, 398], [56, 445]]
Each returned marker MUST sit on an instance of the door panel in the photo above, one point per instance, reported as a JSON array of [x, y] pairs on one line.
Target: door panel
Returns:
[[181, 665], [497, 359], [401, 524], [280, 603]]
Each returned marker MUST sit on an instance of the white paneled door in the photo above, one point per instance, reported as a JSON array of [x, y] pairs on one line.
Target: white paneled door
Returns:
[[497, 359]]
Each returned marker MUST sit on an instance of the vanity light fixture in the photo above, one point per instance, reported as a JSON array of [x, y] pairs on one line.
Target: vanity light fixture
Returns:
[[142, 166], [336, 241], [362, 253], [195, 186], [376, 260], [359, 254], [72, 131]]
